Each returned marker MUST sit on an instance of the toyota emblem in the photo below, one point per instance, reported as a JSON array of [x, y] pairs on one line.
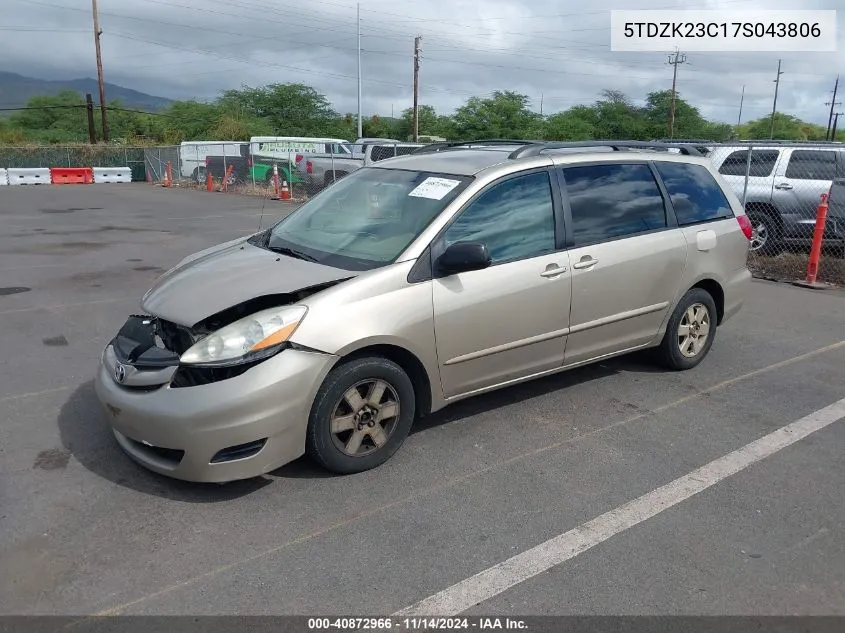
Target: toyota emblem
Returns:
[[119, 372]]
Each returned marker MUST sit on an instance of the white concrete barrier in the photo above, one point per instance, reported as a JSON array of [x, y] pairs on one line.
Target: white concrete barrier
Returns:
[[35, 176], [4, 179], [112, 174]]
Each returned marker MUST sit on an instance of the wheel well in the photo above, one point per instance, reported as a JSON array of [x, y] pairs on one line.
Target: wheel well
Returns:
[[714, 290], [411, 366], [763, 208]]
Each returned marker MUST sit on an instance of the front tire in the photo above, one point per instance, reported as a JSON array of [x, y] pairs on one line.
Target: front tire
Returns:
[[690, 331], [361, 415]]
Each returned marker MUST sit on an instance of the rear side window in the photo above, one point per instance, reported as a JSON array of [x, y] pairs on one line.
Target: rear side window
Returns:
[[811, 165], [762, 163], [694, 192], [613, 201]]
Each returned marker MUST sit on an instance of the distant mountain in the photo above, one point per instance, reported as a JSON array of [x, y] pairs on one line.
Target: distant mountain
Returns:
[[16, 90]]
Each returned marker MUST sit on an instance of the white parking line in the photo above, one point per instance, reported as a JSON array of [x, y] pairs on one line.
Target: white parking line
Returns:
[[499, 578]]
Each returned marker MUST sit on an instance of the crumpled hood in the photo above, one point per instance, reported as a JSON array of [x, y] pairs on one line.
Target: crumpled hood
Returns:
[[223, 276]]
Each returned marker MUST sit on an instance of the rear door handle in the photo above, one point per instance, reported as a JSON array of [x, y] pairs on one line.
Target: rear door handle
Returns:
[[585, 263], [783, 185]]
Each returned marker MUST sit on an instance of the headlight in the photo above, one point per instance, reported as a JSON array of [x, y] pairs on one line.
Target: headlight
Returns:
[[257, 336]]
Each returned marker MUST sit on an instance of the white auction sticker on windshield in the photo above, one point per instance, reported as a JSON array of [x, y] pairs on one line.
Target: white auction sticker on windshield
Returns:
[[434, 188]]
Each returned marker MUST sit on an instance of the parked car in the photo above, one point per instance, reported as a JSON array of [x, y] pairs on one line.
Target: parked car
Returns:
[[360, 144], [193, 155], [321, 170], [834, 233], [317, 335], [218, 166], [785, 184]]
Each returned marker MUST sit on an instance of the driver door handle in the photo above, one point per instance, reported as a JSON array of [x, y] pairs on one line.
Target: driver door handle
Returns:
[[585, 263], [783, 185], [553, 272]]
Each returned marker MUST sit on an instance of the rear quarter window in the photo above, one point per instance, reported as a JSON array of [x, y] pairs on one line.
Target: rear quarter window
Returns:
[[811, 165], [695, 194]]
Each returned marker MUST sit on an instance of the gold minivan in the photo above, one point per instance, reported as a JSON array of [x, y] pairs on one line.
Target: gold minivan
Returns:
[[417, 282]]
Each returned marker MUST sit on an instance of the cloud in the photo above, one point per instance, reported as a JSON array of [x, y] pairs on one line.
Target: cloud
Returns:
[[555, 51]]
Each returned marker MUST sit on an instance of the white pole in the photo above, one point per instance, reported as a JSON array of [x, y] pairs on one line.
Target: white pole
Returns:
[[360, 125]]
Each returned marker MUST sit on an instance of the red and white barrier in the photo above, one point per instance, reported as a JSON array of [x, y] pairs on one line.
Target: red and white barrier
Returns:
[[71, 175], [112, 174], [64, 175], [37, 176]]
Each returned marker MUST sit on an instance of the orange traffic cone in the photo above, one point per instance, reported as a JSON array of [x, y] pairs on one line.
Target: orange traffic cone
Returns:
[[285, 195]]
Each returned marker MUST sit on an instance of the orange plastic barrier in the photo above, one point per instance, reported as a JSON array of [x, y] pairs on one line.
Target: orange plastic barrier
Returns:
[[71, 175]]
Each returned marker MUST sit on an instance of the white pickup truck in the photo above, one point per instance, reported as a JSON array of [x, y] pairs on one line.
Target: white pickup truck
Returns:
[[320, 170]]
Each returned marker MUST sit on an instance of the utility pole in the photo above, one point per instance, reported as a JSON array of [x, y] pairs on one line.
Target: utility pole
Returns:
[[832, 103], [741, 100], [416, 88], [360, 122], [541, 104], [674, 60], [97, 33], [833, 129], [775, 103], [89, 107]]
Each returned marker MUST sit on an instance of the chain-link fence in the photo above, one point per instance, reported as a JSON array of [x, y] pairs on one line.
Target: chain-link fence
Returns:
[[75, 156], [781, 184]]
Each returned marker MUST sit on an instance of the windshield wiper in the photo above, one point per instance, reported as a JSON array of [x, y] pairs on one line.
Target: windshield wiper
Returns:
[[283, 250]]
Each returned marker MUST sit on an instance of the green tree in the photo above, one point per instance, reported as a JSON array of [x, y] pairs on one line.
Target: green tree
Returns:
[[430, 124], [290, 109], [575, 124], [787, 128], [503, 115], [616, 117], [188, 121], [53, 119]]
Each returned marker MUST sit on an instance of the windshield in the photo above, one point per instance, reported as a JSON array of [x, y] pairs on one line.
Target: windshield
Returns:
[[367, 219]]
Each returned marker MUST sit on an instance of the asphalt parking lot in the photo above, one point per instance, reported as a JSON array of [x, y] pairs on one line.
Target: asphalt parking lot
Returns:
[[520, 474]]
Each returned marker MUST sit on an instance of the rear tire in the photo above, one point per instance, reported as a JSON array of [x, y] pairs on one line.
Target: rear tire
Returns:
[[765, 237], [361, 415], [690, 331]]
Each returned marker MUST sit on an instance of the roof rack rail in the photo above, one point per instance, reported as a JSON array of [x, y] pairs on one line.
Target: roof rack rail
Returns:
[[535, 148], [442, 145], [777, 142], [683, 140]]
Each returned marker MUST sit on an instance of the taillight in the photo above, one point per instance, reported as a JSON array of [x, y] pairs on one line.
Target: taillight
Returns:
[[207, 161], [309, 168], [249, 161], [299, 157], [745, 225]]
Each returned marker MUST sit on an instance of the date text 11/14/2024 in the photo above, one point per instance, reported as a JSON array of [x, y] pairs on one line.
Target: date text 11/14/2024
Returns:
[[416, 624]]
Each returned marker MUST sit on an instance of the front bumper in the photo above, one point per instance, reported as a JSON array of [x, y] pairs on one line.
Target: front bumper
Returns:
[[178, 431]]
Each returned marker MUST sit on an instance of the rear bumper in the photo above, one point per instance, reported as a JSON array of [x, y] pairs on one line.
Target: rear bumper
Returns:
[[736, 290], [800, 230]]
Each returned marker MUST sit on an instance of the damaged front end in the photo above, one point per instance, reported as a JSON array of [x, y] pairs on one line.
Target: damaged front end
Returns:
[[150, 352]]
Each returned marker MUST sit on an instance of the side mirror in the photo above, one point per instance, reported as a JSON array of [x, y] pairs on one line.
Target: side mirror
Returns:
[[463, 257]]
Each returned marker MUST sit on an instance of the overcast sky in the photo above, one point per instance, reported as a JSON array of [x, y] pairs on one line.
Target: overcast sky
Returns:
[[559, 49]]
